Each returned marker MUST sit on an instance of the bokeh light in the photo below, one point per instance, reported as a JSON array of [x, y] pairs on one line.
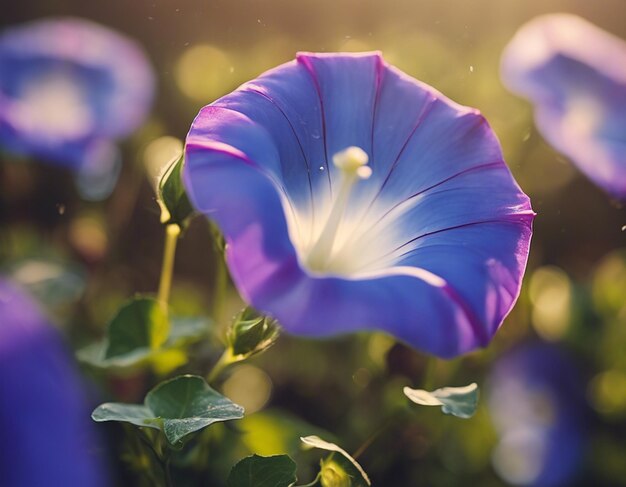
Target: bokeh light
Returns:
[[249, 386], [551, 295], [204, 72]]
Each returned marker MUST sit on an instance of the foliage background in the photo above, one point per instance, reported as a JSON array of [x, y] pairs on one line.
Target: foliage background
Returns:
[[202, 49]]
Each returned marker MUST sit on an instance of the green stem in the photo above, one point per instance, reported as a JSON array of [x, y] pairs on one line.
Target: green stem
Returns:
[[316, 481], [148, 442], [161, 453], [220, 283], [172, 231], [374, 436], [168, 473], [366, 444], [225, 360], [142, 439], [397, 419]]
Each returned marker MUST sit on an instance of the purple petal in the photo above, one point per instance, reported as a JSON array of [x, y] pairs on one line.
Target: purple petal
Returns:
[[48, 438], [448, 225], [575, 75]]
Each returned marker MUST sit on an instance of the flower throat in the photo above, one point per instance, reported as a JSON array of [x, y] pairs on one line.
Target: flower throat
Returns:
[[353, 165]]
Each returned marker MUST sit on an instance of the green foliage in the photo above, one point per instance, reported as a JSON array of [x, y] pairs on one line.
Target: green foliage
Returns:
[[171, 195], [251, 333], [54, 282], [140, 323], [177, 407], [140, 334], [337, 470], [258, 471], [458, 401]]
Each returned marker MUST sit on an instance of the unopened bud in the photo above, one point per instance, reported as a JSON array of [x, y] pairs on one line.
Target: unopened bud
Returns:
[[333, 475]]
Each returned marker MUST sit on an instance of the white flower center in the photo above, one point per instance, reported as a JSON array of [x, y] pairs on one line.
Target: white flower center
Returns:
[[583, 116], [54, 107], [341, 235]]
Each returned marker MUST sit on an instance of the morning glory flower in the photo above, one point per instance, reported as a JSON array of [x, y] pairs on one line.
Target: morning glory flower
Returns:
[[68, 88], [352, 196], [47, 437], [575, 75], [536, 399]]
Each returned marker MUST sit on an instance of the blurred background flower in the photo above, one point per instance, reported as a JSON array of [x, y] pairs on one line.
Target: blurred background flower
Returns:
[[575, 75], [536, 400], [68, 89], [47, 438]]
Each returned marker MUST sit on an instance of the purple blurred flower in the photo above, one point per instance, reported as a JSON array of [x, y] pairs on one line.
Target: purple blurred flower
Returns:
[[428, 242], [47, 436], [68, 88], [575, 75], [535, 395]]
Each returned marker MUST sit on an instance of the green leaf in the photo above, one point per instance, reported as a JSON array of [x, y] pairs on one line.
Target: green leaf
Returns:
[[52, 282], [183, 332], [187, 329], [171, 195], [177, 407], [338, 470], [458, 401], [251, 333], [127, 413], [258, 471], [141, 323]]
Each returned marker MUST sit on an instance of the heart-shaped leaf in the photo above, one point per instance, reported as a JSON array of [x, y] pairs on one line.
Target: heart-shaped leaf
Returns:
[[140, 323], [458, 401], [258, 471], [183, 332], [178, 407], [337, 466]]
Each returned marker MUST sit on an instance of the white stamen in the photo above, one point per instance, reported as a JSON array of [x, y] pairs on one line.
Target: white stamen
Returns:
[[352, 162]]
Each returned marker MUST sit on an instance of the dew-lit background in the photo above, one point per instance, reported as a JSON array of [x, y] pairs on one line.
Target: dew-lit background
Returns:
[[84, 258]]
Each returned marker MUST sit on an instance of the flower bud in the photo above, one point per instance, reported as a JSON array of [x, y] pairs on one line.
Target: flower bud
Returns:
[[251, 333], [333, 475]]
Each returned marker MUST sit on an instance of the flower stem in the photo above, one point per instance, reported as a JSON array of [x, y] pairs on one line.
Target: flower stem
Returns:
[[168, 473], [365, 445], [146, 440], [224, 361], [172, 231], [390, 423]]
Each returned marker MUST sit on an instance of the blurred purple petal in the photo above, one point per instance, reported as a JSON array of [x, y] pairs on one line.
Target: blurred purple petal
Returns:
[[536, 399], [47, 436], [575, 75], [431, 248], [66, 84]]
